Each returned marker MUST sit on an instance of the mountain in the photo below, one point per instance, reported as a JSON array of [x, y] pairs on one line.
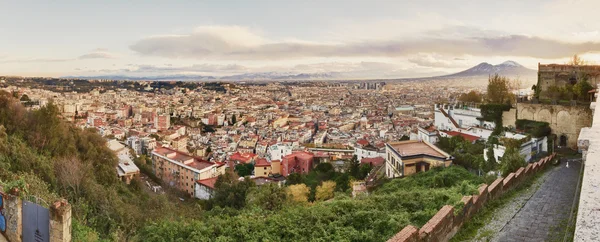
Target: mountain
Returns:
[[507, 68]]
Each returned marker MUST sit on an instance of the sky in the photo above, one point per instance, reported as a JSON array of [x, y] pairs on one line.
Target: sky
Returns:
[[357, 39]]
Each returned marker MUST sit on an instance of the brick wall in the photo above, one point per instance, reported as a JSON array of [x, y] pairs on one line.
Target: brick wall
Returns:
[[444, 224]]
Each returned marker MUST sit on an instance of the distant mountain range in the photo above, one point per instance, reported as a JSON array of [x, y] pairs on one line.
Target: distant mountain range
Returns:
[[507, 68], [483, 70]]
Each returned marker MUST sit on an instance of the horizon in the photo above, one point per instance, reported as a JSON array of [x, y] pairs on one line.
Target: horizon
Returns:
[[380, 40]]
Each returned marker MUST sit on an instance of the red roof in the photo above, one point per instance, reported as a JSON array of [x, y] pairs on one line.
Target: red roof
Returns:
[[209, 182], [362, 142], [466, 136], [262, 162], [243, 157]]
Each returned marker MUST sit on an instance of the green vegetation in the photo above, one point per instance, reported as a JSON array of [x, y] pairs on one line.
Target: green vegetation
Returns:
[[55, 159], [469, 231], [511, 161], [243, 170], [499, 90], [471, 97], [535, 128], [377, 217], [466, 154]]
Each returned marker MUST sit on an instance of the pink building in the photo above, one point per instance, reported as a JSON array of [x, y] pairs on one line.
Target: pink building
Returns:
[[297, 162]]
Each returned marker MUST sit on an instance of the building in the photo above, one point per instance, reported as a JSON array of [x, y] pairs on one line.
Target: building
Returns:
[[262, 168], [528, 149], [405, 158], [278, 151], [428, 134], [204, 188], [126, 169], [297, 162], [560, 75], [162, 122], [453, 117], [180, 170]]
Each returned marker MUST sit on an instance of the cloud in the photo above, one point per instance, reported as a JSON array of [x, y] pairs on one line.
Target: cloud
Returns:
[[35, 60], [98, 54], [437, 61], [233, 43]]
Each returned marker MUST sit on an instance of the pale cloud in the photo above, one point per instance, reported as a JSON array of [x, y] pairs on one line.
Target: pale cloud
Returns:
[[217, 43], [99, 53]]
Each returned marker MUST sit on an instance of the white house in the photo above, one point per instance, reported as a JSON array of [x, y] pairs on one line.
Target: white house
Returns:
[[427, 134], [278, 151], [203, 189], [528, 149], [367, 152], [453, 117]]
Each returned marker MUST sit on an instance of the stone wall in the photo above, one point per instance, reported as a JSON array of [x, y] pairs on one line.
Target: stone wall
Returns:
[[564, 120], [561, 75], [588, 214], [446, 222], [509, 118]]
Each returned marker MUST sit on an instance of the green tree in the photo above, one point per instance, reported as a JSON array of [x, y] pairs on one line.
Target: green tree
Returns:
[[294, 178], [581, 89], [354, 167], [498, 90], [342, 182], [269, 196], [229, 192], [404, 137], [471, 97], [243, 170], [511, 161]]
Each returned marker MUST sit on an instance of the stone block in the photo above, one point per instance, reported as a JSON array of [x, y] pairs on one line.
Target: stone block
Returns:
[[495, 189], [408, 234]]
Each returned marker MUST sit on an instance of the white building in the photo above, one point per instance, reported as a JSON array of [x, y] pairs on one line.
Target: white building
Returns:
[[451, 117], [367, 152], [278, 151], [430, 135], [527, 151]]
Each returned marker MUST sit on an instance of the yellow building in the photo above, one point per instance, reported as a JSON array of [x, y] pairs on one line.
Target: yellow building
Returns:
[[405, 158]]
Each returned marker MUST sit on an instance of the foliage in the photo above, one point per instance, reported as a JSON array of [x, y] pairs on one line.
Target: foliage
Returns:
[[465, 153], [581, 89], [511, 161], [498, 90], [377, 217], [491, 160], [39, 148], [268, 197], [230, 192], [404, 137], [342, 182], [298, 193], [243, 170], [535, 128], [325, 191], [493, 112], [471, 97]]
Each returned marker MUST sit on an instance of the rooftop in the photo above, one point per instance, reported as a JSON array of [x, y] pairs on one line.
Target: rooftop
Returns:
[[415, 147]]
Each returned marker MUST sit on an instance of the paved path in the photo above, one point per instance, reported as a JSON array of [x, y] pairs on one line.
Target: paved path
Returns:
[[545, 215]]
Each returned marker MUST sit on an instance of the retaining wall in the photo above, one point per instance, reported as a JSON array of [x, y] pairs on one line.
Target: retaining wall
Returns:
[[445, 223]]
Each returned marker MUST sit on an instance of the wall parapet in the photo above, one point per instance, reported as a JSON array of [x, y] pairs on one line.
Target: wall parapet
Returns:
[[588, 214], [446, 223]]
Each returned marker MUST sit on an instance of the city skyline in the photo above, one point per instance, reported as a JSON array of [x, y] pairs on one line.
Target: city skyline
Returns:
[[359, 39]]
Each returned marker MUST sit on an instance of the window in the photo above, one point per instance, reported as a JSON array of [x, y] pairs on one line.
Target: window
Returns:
[[265, 173]]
